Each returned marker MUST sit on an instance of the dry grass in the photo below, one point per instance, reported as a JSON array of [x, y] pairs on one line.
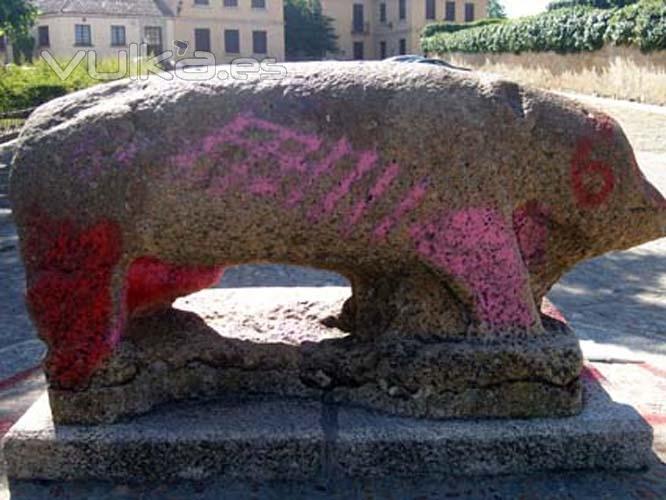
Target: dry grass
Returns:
[[618, 72]]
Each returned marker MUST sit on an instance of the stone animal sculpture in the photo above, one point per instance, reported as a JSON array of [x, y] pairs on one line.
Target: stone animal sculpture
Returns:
[[451, 201]]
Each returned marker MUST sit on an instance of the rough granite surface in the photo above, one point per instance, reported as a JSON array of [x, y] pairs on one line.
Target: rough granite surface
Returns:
[[451, 202], [263, 439]]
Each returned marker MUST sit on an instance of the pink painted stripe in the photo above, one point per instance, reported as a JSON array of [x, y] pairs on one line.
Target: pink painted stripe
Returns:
[[18, 377], [376, 192], [341, 149], [410, 202], [366, 162]]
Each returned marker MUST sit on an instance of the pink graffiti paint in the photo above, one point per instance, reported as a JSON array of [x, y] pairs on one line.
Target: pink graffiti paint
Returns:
[[476, 247], [225, 158], [374, 195], [126, 154], [412, 200], [154, 284], [367, 160], [263, 186], [338, 152], [592, 180], [530, 223]]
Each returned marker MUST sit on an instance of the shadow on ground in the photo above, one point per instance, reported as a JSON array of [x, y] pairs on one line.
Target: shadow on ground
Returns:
[[618, 298]]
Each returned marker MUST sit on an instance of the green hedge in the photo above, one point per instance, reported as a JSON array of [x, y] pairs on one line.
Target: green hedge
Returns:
[[447, 27], [599, 4], [27, 86], [569, 30]]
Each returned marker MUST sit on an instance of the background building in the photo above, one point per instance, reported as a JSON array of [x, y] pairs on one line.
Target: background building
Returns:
[[227, 28], [375, 29]]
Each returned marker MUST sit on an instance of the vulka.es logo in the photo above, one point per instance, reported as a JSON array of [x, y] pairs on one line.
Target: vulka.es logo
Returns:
[[130, 64]]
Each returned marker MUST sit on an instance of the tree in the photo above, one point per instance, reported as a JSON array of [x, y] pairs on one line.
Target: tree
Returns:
[[16, 19], [496, 9], [309, 34]]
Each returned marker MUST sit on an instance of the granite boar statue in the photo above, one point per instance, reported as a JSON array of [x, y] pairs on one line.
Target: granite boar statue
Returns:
[[451, 201]]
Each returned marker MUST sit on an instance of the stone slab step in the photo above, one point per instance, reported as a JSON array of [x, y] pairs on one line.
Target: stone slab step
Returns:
[[300, 440]]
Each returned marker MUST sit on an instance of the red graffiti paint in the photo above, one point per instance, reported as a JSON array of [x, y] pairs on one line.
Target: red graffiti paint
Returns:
[[70, 270], [69, 278], [592, 181], [5, 425], [592, 374], [153, 284], [654, 419], [549, 309], [530, 223], [659, 372], [19, 377]]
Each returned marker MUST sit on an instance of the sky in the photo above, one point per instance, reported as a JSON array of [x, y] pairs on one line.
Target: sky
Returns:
[[517, 8]]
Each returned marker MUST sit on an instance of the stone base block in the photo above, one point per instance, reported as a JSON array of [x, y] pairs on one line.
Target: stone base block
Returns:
[[289, 439], [276, 342]]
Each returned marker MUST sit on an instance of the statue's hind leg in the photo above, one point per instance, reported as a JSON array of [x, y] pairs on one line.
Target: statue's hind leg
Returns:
[[74, 293], [80, 292]]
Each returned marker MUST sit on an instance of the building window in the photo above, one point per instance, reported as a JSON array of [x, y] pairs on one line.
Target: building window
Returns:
[[82, 36], [402, 49], [469, 12], [357, 20], [402, 9], [43, 36], [201, 2], [358, 50], [431, 12], [450, 12], [382, 50], [118, 36], [153, 38], [382, 12], [258, 4], [202, 39], [259, 42], [232, 41], [231, 3]]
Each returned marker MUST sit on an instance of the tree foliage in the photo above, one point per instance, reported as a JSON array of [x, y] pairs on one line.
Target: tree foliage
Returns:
[[309, 34], [496, 9], [564, 31], [16, 19]]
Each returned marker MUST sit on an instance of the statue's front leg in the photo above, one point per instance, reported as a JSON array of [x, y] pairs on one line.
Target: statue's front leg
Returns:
[[477, 249]]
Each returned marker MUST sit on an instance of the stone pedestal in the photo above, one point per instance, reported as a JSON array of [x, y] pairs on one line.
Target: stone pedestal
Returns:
[[275, 342], [263, 439]]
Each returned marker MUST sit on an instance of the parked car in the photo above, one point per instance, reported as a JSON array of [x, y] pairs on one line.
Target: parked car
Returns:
[[425, 60]]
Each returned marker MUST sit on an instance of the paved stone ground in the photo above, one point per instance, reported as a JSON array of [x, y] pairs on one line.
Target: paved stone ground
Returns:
[[616, 304]]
